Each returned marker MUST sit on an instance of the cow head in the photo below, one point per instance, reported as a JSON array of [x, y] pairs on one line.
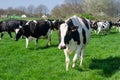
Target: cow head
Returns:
[[95, 25], [66, 30], [19, 33]]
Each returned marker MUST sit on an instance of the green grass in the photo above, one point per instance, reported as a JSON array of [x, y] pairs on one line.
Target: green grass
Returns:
[[101, 61]]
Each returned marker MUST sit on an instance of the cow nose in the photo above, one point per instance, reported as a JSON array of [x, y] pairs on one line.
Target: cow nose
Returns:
[[62, 47]]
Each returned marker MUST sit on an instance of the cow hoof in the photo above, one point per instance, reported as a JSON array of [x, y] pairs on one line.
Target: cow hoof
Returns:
[[73, 66]]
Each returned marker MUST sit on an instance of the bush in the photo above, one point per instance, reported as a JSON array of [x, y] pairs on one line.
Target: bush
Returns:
[[86, 15]]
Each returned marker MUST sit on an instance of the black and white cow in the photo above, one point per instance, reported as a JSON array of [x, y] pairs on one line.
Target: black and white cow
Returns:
[[34, 30], [117, 25], [74, 35], [57, 23], [103, 26], [10, 26]]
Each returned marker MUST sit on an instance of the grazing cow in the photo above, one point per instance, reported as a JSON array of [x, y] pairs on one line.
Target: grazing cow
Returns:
[[117, 25], [57, 23], [103, 26], [35, 29], [10, 26], [74, 35]]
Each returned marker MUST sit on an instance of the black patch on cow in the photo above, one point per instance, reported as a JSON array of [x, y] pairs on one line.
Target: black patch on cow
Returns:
[[57, 23], [70, 23], [72, 35], [32, 26], [86, 23], [76, 36], [68, 37], [84, 36], [103, 27]]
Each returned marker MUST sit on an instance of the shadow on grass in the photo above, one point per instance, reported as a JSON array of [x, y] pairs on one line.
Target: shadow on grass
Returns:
[[105, 34], [43, 47], [109, 65]]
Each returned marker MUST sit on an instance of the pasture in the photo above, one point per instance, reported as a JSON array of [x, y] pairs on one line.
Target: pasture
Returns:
[[101, 60]]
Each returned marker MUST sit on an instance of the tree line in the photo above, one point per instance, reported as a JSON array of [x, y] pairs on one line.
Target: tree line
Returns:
[[69, 7], [31, 10], [109, 8]]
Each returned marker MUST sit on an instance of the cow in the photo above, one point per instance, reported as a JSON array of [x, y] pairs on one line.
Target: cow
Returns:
[[57, 23], [117, 25], [34, 30], [103, 26], [10, 25], [74, 36]]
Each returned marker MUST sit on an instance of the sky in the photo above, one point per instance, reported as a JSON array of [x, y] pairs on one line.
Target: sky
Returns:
[[4, 4]]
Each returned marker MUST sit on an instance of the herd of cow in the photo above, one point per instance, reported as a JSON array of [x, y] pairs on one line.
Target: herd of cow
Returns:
[[74, 33]]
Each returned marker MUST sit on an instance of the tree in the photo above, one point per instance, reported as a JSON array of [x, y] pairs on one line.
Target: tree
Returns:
[[40, 10], [30, 10], [68, 8], [100, 7]]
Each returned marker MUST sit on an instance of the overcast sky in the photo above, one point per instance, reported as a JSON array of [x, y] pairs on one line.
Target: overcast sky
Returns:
[[17, 3]]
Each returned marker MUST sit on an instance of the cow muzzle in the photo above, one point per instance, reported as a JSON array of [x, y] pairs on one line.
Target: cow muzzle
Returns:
[[62, 47]]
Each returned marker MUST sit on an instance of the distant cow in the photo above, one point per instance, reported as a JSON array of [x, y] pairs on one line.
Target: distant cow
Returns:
[[10, 26], [57, 23], [117, 25], [103, 26], [74, 36], [35, 29]]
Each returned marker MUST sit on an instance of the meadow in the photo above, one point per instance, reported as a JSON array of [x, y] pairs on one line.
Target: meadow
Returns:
[[101, 60]]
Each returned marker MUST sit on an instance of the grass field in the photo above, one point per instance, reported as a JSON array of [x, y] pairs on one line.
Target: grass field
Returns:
[[101, 61]]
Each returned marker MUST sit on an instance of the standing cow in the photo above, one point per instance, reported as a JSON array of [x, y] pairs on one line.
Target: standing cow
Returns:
[[10, 25], [117, 25], [103, 26], [35, 29], [74, 36]]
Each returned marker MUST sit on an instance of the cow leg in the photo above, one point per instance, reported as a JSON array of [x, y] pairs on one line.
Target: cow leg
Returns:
[[76, 55], [36, 42], [98, 32], [67, 59], [81, 56], [2, 34], [10, 34], [27, 42], [119, 28], [49, 38]]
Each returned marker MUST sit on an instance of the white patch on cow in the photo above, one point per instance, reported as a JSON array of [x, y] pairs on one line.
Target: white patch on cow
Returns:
[[53, 21], [27, 42], [20, 26], [28, 22], [49, 23], [16, 30], [35, 21], [63, 28]]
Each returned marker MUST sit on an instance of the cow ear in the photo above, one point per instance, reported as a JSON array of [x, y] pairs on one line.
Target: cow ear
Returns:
[[74, 28]]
